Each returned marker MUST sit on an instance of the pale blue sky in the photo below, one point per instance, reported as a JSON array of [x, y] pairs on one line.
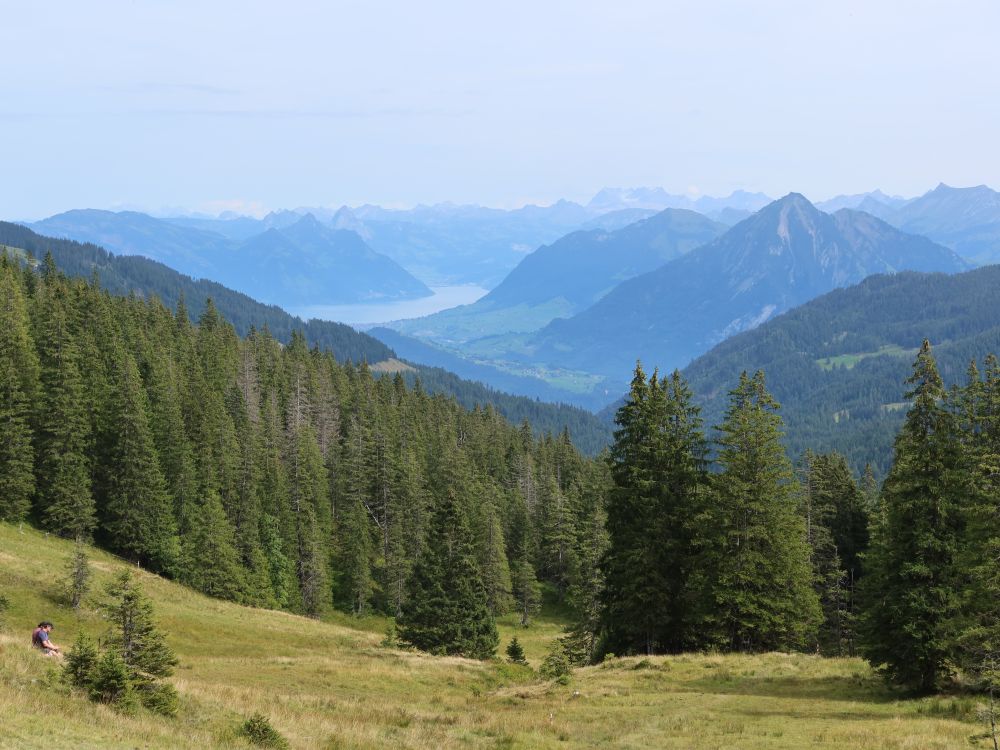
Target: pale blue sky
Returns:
[[254, 105]]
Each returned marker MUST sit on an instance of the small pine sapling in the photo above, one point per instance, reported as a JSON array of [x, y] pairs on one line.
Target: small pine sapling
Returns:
[[515, 652]]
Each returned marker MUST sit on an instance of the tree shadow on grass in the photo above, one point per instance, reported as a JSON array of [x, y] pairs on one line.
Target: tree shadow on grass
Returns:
[[845, 688]]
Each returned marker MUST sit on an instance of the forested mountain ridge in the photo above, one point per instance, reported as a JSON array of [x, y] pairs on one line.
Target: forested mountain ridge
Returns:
[[289, 263], [127, 275], [131, 274], [784, 255], [836, 364]]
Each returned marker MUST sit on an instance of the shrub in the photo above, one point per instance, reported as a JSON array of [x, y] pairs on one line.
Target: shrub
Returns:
[[160, 698], [112, 683], [81, 662], [556, 665], [258, 730]]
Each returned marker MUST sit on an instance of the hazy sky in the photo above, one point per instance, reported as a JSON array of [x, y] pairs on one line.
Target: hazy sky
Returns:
[[251, 105]]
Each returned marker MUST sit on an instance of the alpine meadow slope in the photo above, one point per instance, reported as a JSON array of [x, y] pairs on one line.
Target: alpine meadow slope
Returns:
[[345, 690]]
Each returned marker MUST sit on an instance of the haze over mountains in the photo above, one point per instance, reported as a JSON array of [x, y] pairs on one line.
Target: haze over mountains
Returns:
[[675, 307], [577, 292], [563, 278], [302, 262], [784, 255]]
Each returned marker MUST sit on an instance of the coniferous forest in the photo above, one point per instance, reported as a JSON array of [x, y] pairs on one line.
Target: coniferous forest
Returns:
[[272, 475]]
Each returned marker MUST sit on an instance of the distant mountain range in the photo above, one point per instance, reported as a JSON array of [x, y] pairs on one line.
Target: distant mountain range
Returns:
[[874, 198], [786, 254], [568, 276], [615, 199], [965, 219], [782, 256], [297, 261]]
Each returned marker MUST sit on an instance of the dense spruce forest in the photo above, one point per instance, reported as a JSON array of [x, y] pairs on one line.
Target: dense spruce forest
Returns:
[[275, 476], [268, 474], [132, 274]]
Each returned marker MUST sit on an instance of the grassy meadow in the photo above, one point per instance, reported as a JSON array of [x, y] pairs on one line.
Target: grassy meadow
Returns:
[[330, 684]]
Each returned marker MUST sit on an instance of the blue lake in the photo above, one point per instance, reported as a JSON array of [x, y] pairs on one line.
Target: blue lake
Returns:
[[371, 314]]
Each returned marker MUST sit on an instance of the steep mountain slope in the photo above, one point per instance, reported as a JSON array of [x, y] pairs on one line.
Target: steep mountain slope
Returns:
[[784, 255], [286, 263], [837, 363], [964, 219], [569, 275]]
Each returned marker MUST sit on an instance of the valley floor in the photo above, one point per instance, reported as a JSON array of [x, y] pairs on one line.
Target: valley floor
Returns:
[[330, 684]]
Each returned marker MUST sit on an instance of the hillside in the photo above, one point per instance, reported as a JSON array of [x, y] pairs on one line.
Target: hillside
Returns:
[[300, 263], [329, 684], [837, 364], [782, 256], [130, 274], [563, 278]]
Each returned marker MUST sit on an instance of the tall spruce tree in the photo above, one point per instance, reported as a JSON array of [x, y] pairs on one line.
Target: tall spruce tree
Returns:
[[829, 497], [758, 593], [978, 644], [18, 388], [138, 512], [446, 609], [659, 476], [910, 599], [64, 501]]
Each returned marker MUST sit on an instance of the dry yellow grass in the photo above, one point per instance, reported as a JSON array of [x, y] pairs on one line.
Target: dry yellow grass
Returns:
[[330, 685]]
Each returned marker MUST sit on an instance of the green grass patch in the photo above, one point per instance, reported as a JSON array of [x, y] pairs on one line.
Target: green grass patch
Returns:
[[848, 361], [329, 684]]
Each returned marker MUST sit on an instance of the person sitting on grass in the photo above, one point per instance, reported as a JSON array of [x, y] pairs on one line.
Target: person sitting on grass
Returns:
[[40, 639]]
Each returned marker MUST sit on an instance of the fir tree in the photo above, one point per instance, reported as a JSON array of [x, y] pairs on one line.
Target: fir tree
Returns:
[[141, 646], [978, 636], [138, 513], [18, 388], [910, 600], [446, 609], [758, 579], [515, 652], [81, 661], [209, 561], [493, 561], [307, 490], [78, 574], [659, 476], [64, 501]]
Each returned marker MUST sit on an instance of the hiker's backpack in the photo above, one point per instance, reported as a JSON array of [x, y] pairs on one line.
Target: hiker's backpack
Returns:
[[35, 640]]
